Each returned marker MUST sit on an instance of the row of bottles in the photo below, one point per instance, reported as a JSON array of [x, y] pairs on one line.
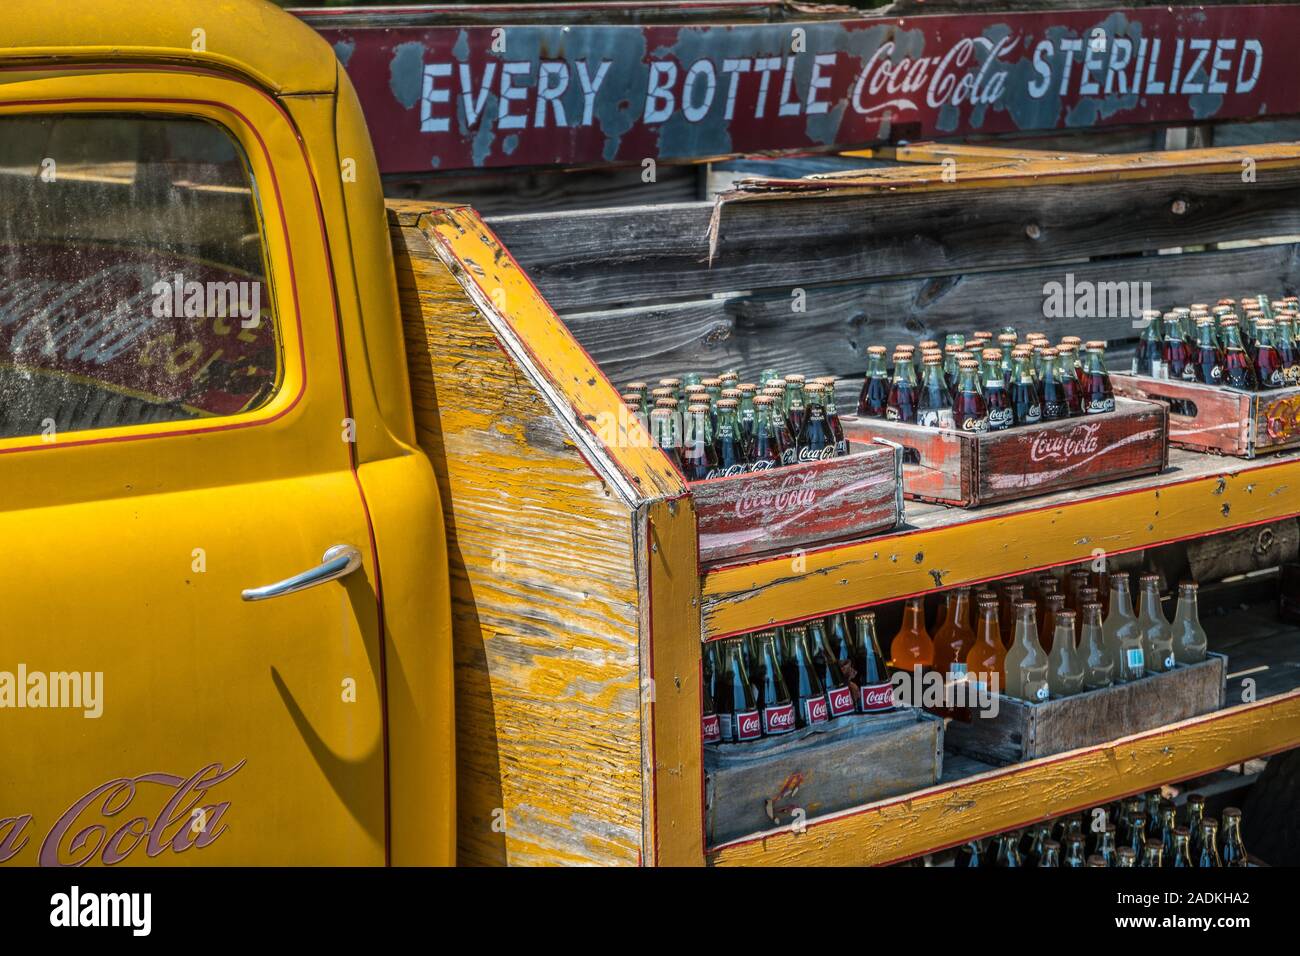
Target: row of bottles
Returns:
[[718, 426], [1147, 831], [987, 384], [1250, 347], [1085, 645], [775, 681]]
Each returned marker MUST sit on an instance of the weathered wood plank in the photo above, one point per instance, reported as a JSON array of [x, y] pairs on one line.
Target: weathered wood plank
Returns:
[[840, 320], [1025, 731], [851, 761], [799, 506], [544, 594], [660, 253]]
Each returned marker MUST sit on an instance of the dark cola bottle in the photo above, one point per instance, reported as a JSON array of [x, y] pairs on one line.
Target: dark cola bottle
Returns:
[[801, 678], [833, 417], [774, 703], [1179, 362], [839, 698], [815, 440], [841, 641], [1026, 401], [875, 689], [710, 726], [934, 403], [1238, 369], [735, 704], [1056, 403], [767, 446], [728, 442], [795, 403], [874, 398], [969, 410], [1209, 356], [1149, 357], [1287, 348], [699, 455], [1269, 369], [901, 404], [997, 402], [1098, 396]]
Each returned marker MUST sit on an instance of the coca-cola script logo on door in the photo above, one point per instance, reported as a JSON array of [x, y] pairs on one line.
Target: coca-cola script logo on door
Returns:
[[794, 495], [98, 827], [1065, 447]]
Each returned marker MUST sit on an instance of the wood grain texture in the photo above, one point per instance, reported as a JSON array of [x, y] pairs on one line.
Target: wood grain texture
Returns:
[[1026, 731], [938, 464], [761, 329], [951, 814], [849, 762], [544, 589], [915, 226], [675, 777], [947, 547], [798, 506]]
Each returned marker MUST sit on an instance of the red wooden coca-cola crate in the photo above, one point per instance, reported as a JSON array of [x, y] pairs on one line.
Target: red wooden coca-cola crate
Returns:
[[1222, 420], [801, 505], [977, 468]]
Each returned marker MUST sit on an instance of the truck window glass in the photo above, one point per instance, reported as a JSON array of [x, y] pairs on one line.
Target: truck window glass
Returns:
[[132, 275]]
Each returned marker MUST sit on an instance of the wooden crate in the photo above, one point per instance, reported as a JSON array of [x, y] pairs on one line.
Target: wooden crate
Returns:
[[1024, 731], [969, 469], [850, 761], [1227, 421], [799, 506]]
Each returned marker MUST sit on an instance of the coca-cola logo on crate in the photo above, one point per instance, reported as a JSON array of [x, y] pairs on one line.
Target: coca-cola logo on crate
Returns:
[[1065, 447], [795, 494]]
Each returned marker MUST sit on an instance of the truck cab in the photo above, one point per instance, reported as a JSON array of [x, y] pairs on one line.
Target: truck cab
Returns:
[[227, 629]]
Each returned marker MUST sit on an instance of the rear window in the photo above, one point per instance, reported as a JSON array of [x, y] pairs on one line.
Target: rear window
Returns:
[[132, 275]]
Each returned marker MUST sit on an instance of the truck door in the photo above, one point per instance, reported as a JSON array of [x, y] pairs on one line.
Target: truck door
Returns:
[[189, 641]]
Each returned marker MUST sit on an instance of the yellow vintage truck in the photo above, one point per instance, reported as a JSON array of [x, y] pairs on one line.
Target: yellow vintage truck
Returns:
[[330, 542]]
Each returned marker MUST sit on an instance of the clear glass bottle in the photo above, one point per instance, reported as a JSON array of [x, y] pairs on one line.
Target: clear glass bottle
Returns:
[[1157, 639], [1064, 664], [1189, 638], [1122, 636], [1026, 663], [1098, 661]]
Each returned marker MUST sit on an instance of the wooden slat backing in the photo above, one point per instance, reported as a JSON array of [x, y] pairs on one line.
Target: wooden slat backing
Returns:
[[654, 254], [671, 695], [544, 583], [756, 330]]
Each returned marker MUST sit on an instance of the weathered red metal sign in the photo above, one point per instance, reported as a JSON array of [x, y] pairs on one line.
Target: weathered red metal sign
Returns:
[[463, 97]]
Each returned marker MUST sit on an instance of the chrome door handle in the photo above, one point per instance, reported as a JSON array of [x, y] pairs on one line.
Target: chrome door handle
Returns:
[[339, 561]]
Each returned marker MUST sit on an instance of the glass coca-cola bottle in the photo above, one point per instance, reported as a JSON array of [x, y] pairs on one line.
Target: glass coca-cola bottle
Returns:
[[839, 697], [833, 417], [1026, 402], [1269, 368], [1209, 356], [814, 439], [1098, 397], [1179, 363], [840, 637], [1153, 627], [735, 704], [699, 454], [1060, 390], [951, 353], [728, 442], [1149, 357], [801, 678], [1287, 349], [969, 410], [1208, 842], [794, 403], [875, 691], [771, 444], [663, 435], [874, 398], [1238, 369], [774, 703], [997, 401], [901, 404], [1098, 661], [1007, 348], [710, 726], [1233, 850], [934, 404], [748, 391]]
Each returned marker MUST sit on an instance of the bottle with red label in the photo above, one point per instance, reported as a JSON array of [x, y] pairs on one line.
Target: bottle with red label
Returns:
[[839, 698], [738, 716], [1238, 369], [815, 440], [774, 703], [801, 678], [875, 690], [841, 639], [1270, 371], [1098, 397], [711, 727], [934, 401]]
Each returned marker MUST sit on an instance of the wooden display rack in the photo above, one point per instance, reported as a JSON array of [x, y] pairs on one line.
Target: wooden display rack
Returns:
[[580, 597]]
